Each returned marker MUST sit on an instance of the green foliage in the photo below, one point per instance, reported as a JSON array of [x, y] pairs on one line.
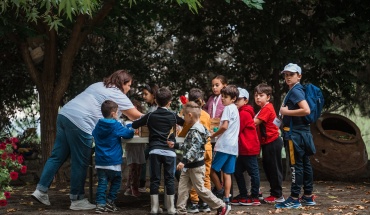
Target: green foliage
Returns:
[[17, 91], [247, 46]]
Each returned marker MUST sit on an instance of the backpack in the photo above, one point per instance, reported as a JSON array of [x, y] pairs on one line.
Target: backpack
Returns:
[[315, 100]]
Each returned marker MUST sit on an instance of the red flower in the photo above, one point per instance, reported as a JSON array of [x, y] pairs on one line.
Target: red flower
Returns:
[[3, 163], [14, 175], [20, 159], [24, 169], [4, 156], [14, 140], [14, 145], [7, 195], [3, 146], [3, 202], [183, 99], [12, 156]]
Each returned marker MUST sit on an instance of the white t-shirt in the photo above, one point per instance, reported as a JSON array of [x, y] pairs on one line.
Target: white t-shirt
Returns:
[[85, 109], [228, 141]]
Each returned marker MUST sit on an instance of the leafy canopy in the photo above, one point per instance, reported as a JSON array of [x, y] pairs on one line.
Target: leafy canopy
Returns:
[[53, 12]]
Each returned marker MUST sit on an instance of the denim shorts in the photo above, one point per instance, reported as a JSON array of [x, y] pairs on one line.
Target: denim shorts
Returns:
[[224, 162]]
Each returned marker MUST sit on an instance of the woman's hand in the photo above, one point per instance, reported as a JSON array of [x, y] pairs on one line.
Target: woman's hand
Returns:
[[170, 144], [180, 166]]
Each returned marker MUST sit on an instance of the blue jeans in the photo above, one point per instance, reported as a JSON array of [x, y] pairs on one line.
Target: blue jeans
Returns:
[[104, 177], [247, 163], [69, 141], [302, 174]]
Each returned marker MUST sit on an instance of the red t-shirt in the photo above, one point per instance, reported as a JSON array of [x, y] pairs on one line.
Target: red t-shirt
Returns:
[[267, 130]]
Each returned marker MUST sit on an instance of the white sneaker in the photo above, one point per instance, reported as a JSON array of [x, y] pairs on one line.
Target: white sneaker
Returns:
[[142, 189], [82, 204], [280, 200], [41, 197]]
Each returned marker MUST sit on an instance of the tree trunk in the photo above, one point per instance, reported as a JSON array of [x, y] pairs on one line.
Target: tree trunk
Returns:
[[51, 83], [48, 116]]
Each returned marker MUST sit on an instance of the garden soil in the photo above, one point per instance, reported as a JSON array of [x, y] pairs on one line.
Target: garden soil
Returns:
[[332, 198]]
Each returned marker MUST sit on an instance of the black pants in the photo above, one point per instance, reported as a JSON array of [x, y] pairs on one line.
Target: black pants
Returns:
[[169, 164], [273, 166], [250, 164]]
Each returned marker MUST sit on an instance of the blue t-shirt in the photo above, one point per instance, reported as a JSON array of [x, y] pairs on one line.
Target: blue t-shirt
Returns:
[[296, 95]]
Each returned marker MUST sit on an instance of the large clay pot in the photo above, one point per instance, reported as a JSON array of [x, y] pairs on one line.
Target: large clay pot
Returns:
[[340, 150]]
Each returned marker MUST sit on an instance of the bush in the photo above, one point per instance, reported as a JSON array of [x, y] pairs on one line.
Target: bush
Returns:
[[10, 165]]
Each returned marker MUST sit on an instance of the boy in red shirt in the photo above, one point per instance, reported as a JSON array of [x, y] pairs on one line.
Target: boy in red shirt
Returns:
[[249, 149], [271, 143]]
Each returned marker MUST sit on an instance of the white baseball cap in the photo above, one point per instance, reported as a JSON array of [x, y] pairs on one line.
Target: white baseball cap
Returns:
[[243, 93], [292, 67]]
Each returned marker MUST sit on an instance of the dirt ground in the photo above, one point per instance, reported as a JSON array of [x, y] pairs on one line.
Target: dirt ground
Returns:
[[332, 198]]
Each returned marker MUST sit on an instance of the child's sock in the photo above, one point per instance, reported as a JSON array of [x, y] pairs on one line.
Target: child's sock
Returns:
[[226, 199]]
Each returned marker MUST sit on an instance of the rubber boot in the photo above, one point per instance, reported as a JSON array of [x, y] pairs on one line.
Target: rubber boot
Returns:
[[154, 204], [170, 199]]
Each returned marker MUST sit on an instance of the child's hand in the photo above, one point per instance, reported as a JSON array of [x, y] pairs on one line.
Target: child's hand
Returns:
[[284, 110], [180, 166], [170, 144]]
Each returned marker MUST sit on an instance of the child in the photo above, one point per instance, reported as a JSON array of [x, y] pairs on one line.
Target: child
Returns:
[[226, 148], [108, 155], [214, 106], [271, 143], [192, 164], [297, 136], [196, 95], [148, 94], [160, 122], [134, 158], [249, 150]]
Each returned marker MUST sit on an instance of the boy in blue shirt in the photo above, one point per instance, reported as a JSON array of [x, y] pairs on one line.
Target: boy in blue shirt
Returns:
[[108, 156], [297, 136]]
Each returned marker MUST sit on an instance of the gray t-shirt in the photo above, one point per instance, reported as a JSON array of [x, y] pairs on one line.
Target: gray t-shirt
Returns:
[[85, 109]]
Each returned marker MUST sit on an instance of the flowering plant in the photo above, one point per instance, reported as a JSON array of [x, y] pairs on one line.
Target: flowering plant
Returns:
[[10, 164]]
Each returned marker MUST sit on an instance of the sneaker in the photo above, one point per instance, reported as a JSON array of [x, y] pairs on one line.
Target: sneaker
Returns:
[[280, 199], [254, 201], [111, 207], [82, 204], [194, 208], [128, 192], [274, 199], [41, 197], [204, 207], [100, 209], [219, 193], [260, 197], [224, 210], [239, 200], [235, 200], [142, 189], [308, 200], [289, 203]]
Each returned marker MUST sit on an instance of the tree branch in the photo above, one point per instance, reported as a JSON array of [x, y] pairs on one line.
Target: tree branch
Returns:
[[80, 30]]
